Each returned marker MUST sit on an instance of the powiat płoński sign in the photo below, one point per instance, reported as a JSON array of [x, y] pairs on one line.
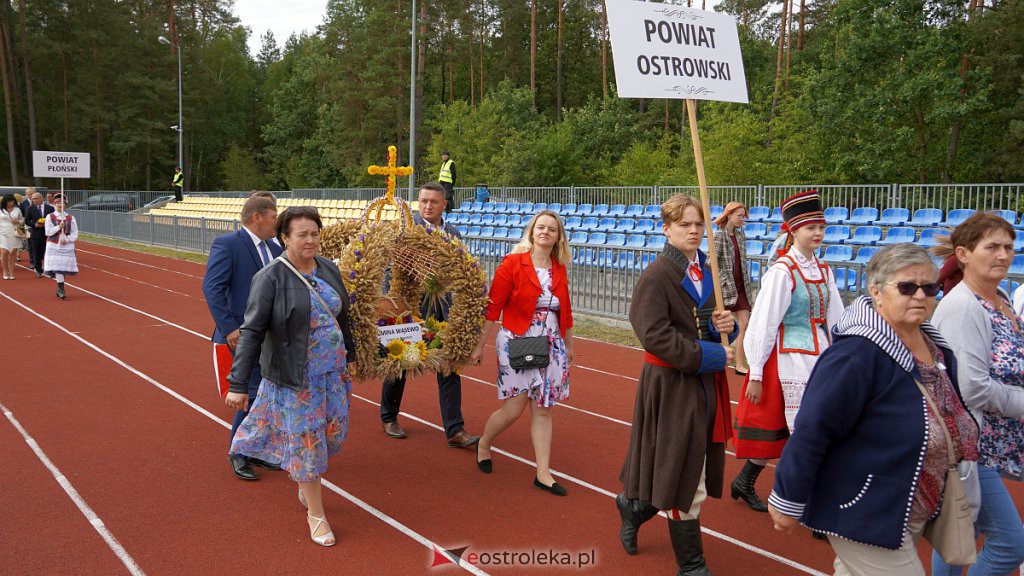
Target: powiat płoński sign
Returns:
[[48, 164], [669, 51]]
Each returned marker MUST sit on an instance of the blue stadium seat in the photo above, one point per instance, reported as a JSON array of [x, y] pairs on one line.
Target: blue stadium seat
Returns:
[[466, 206], [657, 242], [776, 215], [635, 211], [1008, 215], [515, 220], [755, 248], [646, 258], [838, 253], [568, 209], [865, 254], [475, 218], [865, 235], [454, 218], [501, 219], [606, 224], [473, 231], [616, 240], [463, 229], [755, 271], [1017, 266], [652, 211], [500, 233], [573, 223], [836, 214], [556, 208], [487, 231], [956, 217], [755, 230], [758, 214], [1018, 243], [597, 238], [626, 260], [863, 215], [500, 207], [928, 237], [578, 237], [585, 210], [526, 208], [898, 235], [894, 217], [715, 210], [617, 210], [477, 207], [487, 220], [1020, 225], [636, 241], [704, 244], [600, 210], [589, 223], [625, 225], [775, 230], [644, 226], [836, 234], [926, 217], [538, 207]]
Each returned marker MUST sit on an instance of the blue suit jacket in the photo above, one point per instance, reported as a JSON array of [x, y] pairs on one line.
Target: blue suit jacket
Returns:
[[232, 263]]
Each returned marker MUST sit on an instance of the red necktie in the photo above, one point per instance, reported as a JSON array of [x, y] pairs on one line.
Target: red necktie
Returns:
[[695, 272]]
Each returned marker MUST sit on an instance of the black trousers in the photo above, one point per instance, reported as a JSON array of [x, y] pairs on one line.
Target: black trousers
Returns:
[[449, 195], [177, 194], [36, 251], [449, 395]]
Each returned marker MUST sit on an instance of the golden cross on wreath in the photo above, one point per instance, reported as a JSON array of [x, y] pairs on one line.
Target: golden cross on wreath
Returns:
[[392, 171]]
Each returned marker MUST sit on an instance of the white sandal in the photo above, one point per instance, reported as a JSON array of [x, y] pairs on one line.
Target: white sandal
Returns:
[[324, 539]]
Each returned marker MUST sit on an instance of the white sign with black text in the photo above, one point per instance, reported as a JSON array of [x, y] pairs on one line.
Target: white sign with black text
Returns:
[[406, 332], [47, 164], [670, 51]]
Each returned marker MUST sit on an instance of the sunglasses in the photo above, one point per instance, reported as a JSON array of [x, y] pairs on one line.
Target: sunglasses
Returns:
[[909, 288]]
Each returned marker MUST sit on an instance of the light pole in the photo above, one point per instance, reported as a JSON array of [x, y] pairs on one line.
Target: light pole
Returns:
[[412, 100], [180, 128]]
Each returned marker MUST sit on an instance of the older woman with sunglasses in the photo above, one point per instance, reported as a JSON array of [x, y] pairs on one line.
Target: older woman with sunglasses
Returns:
[[296, 325], [987, 336], [867, 461]]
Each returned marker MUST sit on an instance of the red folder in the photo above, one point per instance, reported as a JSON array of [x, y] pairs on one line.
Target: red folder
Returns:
[[222, 359]]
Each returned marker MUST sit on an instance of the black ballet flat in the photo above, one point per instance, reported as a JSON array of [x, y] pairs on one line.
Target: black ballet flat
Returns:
[[484, 465], [555, 488]]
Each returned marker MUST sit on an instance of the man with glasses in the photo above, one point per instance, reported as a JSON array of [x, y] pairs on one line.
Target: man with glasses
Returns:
[[234, 259]]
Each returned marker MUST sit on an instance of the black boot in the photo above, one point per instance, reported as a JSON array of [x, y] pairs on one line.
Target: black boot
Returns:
[[60, 290], [633, 513], [743, 486], [685, 536]]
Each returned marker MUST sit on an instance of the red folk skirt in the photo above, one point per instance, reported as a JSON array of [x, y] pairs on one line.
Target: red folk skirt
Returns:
[[761, 429]]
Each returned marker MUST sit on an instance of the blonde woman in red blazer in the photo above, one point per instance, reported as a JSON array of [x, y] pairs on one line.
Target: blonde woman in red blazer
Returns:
[[530, 293]]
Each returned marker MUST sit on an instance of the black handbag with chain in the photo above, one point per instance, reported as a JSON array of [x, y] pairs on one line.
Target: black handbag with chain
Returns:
[[531, 351]]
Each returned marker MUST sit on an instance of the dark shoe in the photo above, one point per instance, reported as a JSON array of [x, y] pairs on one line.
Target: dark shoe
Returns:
[[743, 487], [393, 429], [686, 543], [462, 440], [262, 464], [819, 535], [633, 514], [555, 488], [483, 465], [60, 290], [243, 469]]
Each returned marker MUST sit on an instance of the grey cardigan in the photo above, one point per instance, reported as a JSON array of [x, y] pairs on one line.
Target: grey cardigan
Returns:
[[276, 325], [963, 322]]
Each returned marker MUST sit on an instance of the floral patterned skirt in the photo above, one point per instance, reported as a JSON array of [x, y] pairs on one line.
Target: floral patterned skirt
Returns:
[[298, 429], [548, 385]]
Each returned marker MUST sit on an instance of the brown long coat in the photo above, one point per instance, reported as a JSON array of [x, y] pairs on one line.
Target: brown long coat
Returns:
[[674, 407]]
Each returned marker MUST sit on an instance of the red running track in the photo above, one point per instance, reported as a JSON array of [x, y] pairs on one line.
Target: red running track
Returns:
[[114, 386]]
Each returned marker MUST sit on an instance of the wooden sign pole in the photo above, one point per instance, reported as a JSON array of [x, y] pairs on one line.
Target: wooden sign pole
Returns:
[[698, 159]]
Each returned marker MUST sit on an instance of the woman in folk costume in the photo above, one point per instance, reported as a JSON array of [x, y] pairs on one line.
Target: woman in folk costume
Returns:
[[789, 328], [681, 419], [61, 231]]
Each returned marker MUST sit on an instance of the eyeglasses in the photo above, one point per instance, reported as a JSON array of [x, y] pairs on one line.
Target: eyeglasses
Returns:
[[909, 288]]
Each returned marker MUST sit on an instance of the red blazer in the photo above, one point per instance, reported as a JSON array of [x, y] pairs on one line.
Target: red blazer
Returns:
[[516, 288]]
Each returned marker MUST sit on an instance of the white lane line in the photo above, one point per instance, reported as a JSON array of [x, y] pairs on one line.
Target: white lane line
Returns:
[[358, 502], [120, 259], [83, 507], [130, 279], [584, 483]]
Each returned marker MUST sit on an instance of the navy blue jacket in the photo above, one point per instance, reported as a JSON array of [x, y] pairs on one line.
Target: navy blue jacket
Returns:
[[232, 263], [851, 467]]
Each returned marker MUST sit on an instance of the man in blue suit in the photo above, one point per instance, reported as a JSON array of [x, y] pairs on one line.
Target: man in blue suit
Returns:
[[234, 259]]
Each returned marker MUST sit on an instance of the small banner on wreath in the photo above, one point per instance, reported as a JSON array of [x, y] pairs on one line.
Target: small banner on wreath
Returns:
[[408, 333]]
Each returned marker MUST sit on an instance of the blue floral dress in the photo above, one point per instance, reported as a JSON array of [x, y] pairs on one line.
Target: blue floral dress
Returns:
[[1002, 438], [300, 429], [546, 385]]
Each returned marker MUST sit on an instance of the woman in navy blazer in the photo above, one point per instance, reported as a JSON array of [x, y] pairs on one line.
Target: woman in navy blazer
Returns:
[[530, 293], [867, 460]]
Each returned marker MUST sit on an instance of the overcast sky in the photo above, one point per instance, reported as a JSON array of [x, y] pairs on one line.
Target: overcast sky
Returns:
[[281, 17]]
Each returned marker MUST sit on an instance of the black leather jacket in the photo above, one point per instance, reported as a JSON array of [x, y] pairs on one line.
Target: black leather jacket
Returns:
[[277, 319]]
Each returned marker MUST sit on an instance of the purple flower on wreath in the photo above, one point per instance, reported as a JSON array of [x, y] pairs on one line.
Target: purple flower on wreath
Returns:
[[352, 275], [352, 298], [359, 254], [382, 322]]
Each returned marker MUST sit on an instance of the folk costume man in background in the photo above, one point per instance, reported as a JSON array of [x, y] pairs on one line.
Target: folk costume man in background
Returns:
[[681, 419], [234, 260], [789, 328], [447, 179], [449, 386]]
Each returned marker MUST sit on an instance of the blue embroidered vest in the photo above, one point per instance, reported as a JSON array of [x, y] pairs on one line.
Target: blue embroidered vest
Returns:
[[807, 310]]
